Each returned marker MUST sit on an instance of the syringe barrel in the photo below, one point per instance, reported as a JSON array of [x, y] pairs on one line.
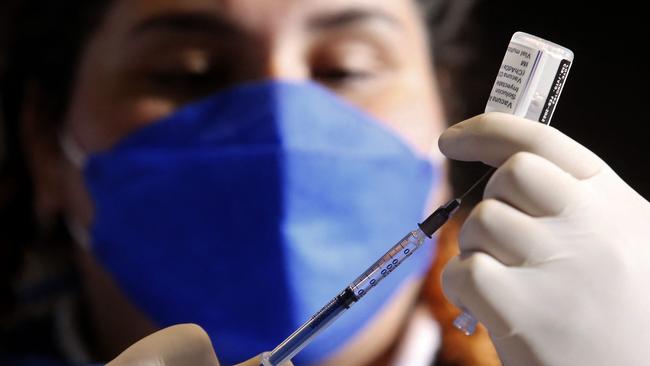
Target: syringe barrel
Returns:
[[387, 263], [351, 294], [317, 323]]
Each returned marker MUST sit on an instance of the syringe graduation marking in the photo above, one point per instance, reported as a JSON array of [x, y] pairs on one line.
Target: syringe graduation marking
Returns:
[[385, 265]]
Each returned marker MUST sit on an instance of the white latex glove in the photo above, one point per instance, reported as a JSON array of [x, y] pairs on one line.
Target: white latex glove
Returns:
[[555, 261], [179, 345]]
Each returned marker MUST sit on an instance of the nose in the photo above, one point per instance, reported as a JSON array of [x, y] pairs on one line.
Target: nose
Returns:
[[273, 59], [287, 62]]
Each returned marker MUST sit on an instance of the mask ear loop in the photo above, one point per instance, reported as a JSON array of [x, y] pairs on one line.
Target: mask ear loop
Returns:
[[77, 157], [72, 151], [78, 232]]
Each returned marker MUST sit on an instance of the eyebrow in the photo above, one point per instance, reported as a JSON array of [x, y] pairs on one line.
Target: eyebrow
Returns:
[[210, 23], [187, 21], [351, 17]]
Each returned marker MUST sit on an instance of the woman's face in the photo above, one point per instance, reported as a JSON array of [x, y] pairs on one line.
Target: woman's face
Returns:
[[149, 57]]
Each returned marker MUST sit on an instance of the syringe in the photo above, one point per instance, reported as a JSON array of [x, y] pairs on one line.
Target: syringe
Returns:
[[360, 287], [364, 283]]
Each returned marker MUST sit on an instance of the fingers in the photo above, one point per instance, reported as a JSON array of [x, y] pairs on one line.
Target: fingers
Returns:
[[533, 185], [178, 345], [256, 361], [480, 284], [493, 137], [510, 236], [185, 344]]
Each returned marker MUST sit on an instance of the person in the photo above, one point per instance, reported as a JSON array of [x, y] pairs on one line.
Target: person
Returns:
[[206, 178], [268, 141]]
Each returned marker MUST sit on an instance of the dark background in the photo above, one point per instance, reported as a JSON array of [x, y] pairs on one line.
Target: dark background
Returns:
[[605, 100]]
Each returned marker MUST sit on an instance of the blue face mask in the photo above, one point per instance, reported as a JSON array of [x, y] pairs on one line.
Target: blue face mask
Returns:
[[246, 212]]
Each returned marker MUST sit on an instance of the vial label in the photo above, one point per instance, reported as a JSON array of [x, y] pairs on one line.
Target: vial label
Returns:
[[513, 78], [554, 93]]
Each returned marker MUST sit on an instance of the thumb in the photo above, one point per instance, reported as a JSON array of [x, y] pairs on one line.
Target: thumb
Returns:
[[184, 344]]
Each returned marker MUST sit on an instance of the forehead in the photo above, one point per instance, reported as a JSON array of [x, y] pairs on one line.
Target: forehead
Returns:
[[261, 15]]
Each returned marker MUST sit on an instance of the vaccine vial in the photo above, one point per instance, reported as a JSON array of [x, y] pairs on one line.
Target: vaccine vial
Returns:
[[530, 78]]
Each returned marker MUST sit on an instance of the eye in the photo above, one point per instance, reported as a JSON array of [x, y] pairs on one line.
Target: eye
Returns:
[[187, 83], [179, 78], [187, 72], [346, 63], [340, 75]]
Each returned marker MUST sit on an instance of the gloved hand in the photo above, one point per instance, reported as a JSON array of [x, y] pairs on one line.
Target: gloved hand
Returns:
[[555, 261], [179, 345]]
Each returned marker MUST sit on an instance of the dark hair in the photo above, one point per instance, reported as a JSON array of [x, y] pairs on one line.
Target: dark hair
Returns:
[[43, 41]]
